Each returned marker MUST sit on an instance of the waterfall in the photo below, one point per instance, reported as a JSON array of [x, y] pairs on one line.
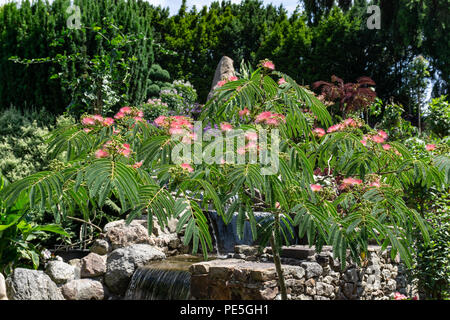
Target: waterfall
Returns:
[[159, 284], [226, 235], [164, 280]]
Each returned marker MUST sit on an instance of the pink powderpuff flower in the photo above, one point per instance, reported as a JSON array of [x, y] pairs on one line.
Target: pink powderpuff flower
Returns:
[[119, 115], [334, 128], [263, 116], [138, 164], [269, 65], [279, 117], [399, 296], [108, 122], [364, 142], [376, 184], [125, 110], [187, 166], [233, 78], [87, 130], [350, 122], [98, 118], [383, 134], [116, 131], [352, 181], [251, 135], [251, 145], [140, 114], [281, 81], [378, 139], [277, 205], [221, 83], [387, 147], [88, 122], [272, 122], [241, 150], [319, 132], [177, 131], [137, 119], [225, 126], [430, 147], [101, 154], [244, 112], [160, 121], [315, 187]]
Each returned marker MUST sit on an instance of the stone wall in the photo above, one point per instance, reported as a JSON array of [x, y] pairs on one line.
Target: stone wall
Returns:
[[102, 274], [309, 276]]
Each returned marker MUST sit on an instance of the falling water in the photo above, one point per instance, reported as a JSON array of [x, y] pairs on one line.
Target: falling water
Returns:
[[165, 280]]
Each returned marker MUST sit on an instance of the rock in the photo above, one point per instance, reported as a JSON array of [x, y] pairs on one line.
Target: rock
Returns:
[[93, 265], [296, 271], [60, 272], [313, 269], [304, 297], [2, 288], [121, 235], [26, 284], [83, 289], [323, 289], [172, 225], [246, 250], [100, 247], [122, 262], [76, 263], [351, 275], [224, 70]]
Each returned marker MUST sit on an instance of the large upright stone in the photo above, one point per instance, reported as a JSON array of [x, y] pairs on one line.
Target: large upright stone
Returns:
[[26, 284], [2, 288], [224, 70], [122, 263]]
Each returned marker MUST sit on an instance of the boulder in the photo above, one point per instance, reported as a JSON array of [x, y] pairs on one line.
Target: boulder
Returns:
[[121, 264], [2, 288], [100, 247], [26, 284], [120, 235], [93, 265], [313, 269], [60, 272], [83, 289], [224, 70]]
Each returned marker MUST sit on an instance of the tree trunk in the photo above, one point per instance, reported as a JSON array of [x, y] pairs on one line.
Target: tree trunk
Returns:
[[276, 257]]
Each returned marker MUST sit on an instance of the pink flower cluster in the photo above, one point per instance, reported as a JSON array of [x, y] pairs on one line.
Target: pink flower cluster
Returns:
[[177, 125], [130, 112], [223, 82], [225, 126], [268, 64], [430, 147], [95, 120], [111, 147], [316, 187], [319, 132], [187, 167], [250, 146], [244, 113], [281, 81], [270, 118], [344, 124]]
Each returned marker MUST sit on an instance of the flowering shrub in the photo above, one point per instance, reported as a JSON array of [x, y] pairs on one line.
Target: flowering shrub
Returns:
[[336, 189], [154, 108]]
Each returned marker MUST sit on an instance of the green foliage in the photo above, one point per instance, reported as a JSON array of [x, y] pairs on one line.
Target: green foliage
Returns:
[[20, 237], [154, 108], [438, 117], [39, 30], [432, 261], [22, 142]]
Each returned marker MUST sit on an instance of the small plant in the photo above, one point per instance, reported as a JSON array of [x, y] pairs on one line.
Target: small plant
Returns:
[[438, 118], [154, 108]]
